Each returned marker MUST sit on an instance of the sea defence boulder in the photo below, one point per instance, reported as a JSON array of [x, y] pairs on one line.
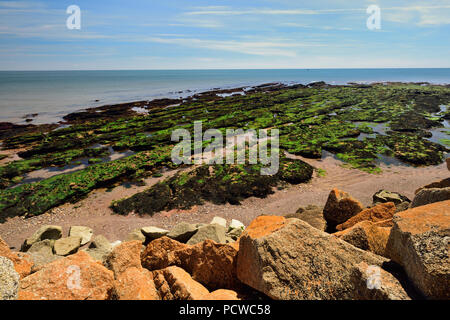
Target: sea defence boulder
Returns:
[[76, 277], [430, 195], [9, 280], [381, 212], [419, 241], [289, 259], [44, 232], [340, 207], [311, 214], [22, 261]]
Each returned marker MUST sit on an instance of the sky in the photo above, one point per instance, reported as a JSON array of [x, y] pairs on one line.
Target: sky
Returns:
[[232, 34]]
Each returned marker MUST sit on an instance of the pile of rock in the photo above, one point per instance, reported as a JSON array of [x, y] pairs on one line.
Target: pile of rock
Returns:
[[340, 251]]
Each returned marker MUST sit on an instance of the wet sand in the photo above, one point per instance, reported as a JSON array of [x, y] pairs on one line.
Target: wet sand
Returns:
[[94, 212]]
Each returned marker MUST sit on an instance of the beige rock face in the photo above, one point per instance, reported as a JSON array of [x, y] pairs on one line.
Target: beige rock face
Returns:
[[213, 232], [289, 259], [173, 283], [44, 232], [9, 280], [66, 246], [340, 207], [311, 214], [366, 235], [85, 233], [125, 255], [76, 277], [419, 241], [380, 212], [135, 284]]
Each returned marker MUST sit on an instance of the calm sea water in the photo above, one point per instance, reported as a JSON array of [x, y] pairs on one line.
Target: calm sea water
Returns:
[[53, 94]]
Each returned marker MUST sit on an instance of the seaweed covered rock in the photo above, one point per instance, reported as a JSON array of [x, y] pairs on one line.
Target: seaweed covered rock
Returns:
[[219, 184], [340, 207], [76, 277], [419, 242], [380, 212], [289, 259]]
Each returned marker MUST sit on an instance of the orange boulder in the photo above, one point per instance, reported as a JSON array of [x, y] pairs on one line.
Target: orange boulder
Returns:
[[380, 212], [124, 256], [173, 283], [135, 284], [76, 277], [340, 207], [22, 261]]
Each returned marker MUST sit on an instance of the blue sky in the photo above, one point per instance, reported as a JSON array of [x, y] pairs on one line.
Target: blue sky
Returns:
[[170, 34]]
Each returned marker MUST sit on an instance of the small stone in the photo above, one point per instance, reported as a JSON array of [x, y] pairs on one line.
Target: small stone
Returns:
[[220, 221], [9, 280], [136, 234], [66, 246], [84, 233], [182, 232], [152, 233], [44, 232], [384, 196], [213, 232], [236, 224]]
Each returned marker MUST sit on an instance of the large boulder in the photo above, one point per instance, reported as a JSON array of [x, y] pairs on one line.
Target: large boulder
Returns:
[[44, 232], [311, 214], [210, 263], [66, 246], [76, 277], [445, 183], [222, 294], [22, 261], [85, 233], [135, 284], [430, 195], [366, 235], [213, 232], [290, 259], [173, 283], [125, 255], [340, 207], [9, 280], [381, 212], [419, 241], [183, 231]]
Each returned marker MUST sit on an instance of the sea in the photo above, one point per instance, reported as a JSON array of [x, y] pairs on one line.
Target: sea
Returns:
[[53, 94]]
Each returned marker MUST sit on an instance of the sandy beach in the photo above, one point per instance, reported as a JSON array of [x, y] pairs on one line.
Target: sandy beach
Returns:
[[94, 211]]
